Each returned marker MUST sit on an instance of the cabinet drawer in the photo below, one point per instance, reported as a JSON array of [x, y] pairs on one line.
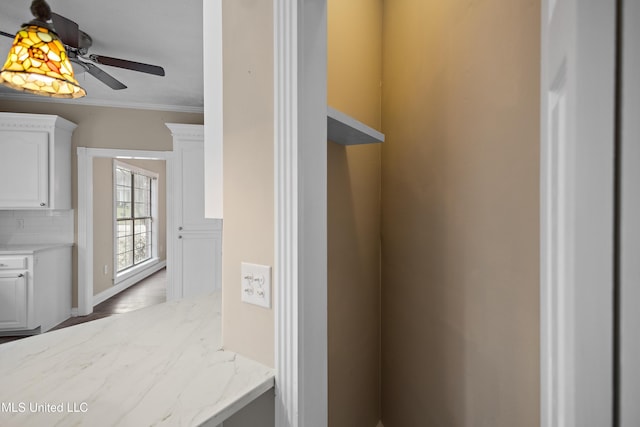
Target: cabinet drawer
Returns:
[[13, 263]]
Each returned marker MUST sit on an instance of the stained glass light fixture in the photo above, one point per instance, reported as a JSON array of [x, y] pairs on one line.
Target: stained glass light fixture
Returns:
[[38, 62]]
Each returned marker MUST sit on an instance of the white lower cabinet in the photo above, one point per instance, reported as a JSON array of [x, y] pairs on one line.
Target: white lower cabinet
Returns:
[[13, 300], [35, 289]]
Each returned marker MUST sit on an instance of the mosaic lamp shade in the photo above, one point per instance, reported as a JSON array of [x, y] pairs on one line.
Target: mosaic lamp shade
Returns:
[[38, 63]]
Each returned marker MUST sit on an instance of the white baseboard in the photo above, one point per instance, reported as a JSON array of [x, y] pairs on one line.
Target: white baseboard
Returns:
[[130, 281], [74, 312]]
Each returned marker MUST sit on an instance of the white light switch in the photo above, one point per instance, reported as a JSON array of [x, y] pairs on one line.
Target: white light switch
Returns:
[[256, 284]]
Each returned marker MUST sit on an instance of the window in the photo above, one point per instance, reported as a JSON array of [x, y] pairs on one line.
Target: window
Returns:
[[134, 208]]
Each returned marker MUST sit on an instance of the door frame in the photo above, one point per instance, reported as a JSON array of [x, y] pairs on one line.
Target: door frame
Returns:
[[577, 213], [629, 158], [300, 91], [85, 213]]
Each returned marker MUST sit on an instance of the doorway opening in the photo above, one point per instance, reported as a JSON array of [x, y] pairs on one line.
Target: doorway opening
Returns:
[[87, 232]]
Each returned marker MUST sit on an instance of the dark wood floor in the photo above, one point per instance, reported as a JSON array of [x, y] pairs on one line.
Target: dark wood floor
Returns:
[[148, 292]]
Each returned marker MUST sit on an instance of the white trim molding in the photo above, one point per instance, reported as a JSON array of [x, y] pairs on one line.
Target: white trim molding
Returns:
[[147, 270], [300, 123], [85, 232], [25, 97], [184, 132], [577, 213], [630, 217], [85, 213]]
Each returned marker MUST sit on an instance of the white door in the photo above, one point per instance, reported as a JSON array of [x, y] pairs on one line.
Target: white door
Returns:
[[630, 219], [24, 169], [577, 212], [197, 241]]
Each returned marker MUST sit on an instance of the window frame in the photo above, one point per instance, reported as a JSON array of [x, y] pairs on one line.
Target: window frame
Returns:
[[120, 276]]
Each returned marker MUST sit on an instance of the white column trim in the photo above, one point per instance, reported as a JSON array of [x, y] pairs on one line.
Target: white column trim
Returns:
[[300, 40], [286, 214]]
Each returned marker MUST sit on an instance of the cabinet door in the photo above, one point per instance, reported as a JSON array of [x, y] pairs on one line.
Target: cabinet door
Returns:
[[197, 241], [13, 300], [199, 267], [24, 169], [189, 187]]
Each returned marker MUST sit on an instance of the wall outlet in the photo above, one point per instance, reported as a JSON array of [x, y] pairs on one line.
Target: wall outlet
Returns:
[[20, 224], [255, 284], [105, 270]]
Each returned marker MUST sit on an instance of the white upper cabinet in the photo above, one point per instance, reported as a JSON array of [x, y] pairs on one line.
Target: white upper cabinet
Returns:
[[35, 161]]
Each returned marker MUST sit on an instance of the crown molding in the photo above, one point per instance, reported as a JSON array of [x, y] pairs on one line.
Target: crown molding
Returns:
[[46, 122], [185, 131], [24, 97]]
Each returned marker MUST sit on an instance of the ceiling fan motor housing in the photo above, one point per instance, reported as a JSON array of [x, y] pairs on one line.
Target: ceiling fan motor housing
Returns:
[[84, 42]]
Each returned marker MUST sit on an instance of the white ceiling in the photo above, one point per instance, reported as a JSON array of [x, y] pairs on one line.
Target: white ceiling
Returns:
[[159, 32]]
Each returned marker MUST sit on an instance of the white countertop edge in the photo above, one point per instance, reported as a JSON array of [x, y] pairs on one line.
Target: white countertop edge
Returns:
[[195, 321], [29, 248], [230, 408]]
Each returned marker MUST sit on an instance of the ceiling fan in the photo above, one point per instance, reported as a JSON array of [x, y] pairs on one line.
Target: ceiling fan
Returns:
[[77, 44]]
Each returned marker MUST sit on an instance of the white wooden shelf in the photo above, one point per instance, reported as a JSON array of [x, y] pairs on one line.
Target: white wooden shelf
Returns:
[[346, 130]]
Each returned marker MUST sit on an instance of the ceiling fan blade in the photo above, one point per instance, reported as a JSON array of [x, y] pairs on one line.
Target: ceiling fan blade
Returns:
[[66, 29], [104, 77], [11, 36], [129, 65]]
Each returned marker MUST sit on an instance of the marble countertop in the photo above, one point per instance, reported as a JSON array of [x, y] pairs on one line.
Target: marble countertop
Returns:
[[27, 249], [159, 366]]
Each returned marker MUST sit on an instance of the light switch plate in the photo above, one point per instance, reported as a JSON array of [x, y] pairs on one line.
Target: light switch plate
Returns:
[[256, 284]]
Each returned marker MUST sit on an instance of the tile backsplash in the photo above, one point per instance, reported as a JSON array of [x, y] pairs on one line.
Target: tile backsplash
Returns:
[[35, 227]]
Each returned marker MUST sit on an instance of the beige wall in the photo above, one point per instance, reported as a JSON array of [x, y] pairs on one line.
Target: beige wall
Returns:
[[103, 220], [103, 216], [460, 213], [354, 75], [248, 171], [105, 127]]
